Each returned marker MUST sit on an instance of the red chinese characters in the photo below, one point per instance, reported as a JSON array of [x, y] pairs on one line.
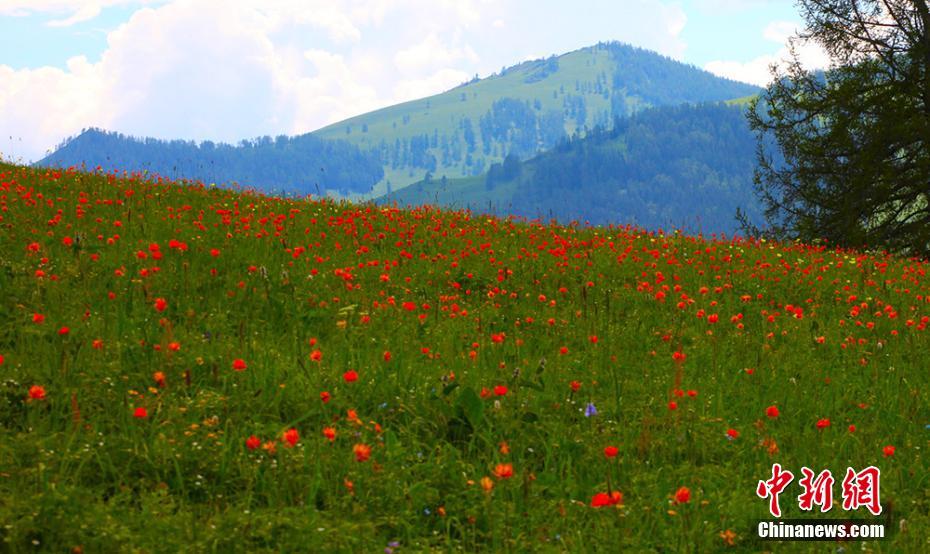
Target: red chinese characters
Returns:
[[773, 487], [860, 489], [817, 490]]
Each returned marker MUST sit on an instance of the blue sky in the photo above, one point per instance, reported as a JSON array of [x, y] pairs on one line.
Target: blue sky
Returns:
[[231, 69]]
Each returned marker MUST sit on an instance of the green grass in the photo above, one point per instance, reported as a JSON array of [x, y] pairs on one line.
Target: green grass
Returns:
[[464, 192], [463, 303]]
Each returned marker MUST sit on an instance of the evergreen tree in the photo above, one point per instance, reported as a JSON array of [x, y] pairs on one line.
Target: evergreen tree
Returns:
[[844, 155]]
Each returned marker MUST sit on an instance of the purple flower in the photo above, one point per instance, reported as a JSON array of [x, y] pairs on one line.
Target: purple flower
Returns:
[[590, 410]]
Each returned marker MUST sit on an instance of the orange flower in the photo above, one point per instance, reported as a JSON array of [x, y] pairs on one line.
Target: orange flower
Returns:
[[503, 471], [487, 484], [362, 452]]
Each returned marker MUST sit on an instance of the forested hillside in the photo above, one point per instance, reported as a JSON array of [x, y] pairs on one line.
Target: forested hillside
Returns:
[[524, 110], [683, 166], [300, 165]]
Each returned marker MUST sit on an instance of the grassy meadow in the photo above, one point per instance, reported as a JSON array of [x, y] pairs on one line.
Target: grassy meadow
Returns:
[[189, 368]]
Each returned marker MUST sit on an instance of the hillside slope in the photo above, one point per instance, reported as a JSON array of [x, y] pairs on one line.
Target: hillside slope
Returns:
[[686, 167], [193, 369], [524, 110]]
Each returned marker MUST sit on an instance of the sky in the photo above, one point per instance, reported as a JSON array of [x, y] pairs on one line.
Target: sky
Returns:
[[225, 70]]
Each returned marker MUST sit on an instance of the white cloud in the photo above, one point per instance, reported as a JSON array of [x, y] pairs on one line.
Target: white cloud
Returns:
[[79, 10], [431, 54], [758, 70], [85, 13]]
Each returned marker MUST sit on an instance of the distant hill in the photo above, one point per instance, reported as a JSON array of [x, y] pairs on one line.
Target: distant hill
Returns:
[[525, 109], [304, 164], [522, 111], [687, 167]]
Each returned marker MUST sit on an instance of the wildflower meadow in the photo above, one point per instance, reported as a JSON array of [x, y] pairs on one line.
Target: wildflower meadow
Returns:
[[193, 368]]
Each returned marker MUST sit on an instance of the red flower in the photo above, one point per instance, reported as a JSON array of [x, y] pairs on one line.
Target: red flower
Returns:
[[672, 405], [888, 451], [593, 339], [316, 355], [823, 423], [362, 452], [350, 376], [852, 428], [160, 304], [503, 471], [38, 318], [253, 442], [732, 433], [772, 411], [603, 499], [682, 495], [500, 390], [324, 396], [387, 356], [611, 451], [1, 359], [563, 350], [64, 331], [239, 364], [214, 252], [575, 385], [329, 433], [291, 436], [37, 392], [140, 413]]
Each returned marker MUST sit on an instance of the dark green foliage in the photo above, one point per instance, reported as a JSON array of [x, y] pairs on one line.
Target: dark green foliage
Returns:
[[845, 156], [302, 164], [660, 80], [687, 166]]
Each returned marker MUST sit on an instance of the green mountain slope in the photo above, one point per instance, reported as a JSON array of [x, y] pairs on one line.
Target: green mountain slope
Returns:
[[686, 167], [524, 110]]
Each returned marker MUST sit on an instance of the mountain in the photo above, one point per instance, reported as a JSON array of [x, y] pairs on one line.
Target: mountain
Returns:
[[524, 110], [301, 165], [687, 167]]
